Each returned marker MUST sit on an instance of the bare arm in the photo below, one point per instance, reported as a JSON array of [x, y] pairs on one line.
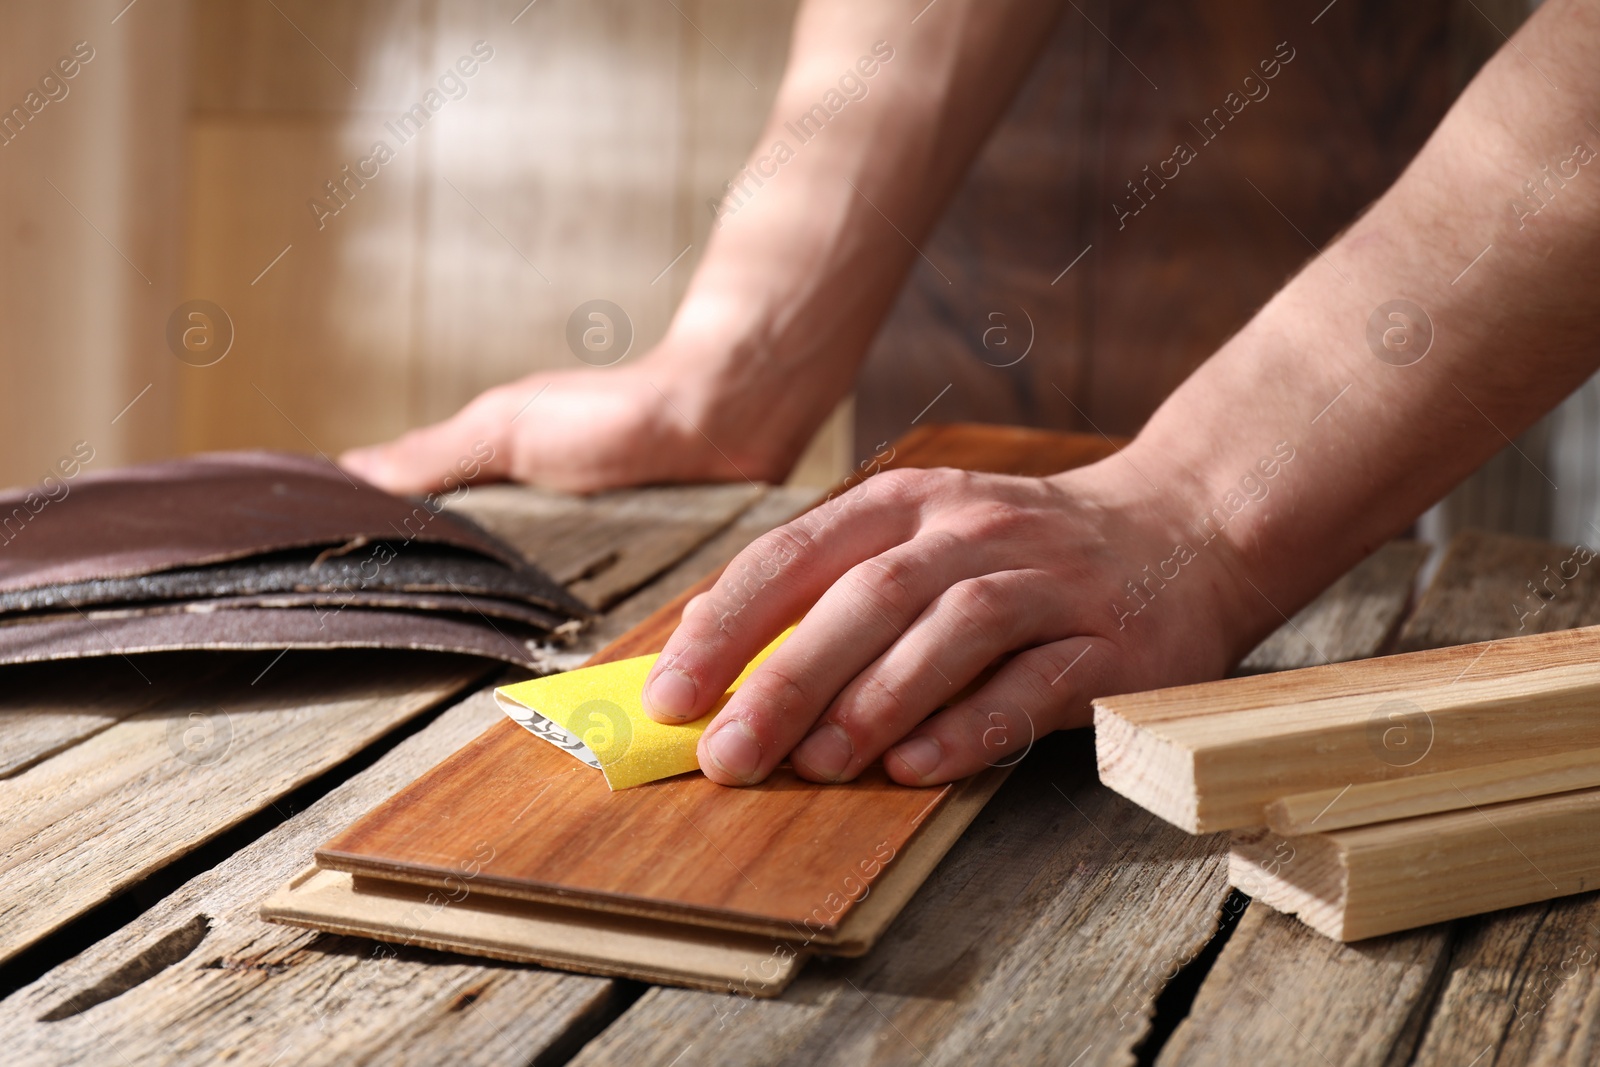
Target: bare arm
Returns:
[[882, 108], [1298, 448]]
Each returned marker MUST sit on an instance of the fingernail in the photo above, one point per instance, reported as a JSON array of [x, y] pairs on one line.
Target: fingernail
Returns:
[[922, 754], [671, 693], [735, 751], [827, 752]]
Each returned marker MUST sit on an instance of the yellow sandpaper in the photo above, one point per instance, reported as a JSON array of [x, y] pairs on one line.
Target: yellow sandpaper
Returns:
[[603, 709]]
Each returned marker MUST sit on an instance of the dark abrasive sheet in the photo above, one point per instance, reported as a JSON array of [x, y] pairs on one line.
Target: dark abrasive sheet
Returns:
[[381, 567], [472, 608], [81, 636], [207, 509]]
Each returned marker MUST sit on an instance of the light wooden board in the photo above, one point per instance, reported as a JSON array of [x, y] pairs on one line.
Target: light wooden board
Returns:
[[1404, 798], [1211, 757], [1348, 998], [263, 993], [98, 816], [1370, 880]]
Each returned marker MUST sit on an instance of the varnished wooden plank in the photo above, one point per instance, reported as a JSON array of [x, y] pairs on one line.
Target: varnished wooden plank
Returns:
[[756, 859], [996, 449], [261, 993], [1333, 996], [1338, 625], [98, 816], [606, 546]]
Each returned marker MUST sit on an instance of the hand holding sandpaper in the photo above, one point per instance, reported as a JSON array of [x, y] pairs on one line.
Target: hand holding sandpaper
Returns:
[[258, 550]]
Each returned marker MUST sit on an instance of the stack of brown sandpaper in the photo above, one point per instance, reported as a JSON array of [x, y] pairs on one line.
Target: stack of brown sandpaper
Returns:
[[258, 550]]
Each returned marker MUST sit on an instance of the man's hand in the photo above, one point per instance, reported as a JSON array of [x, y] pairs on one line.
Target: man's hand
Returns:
[[580, 431], [921, 579]]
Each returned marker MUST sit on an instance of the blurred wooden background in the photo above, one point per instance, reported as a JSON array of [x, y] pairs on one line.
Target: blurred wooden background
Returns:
[[578, 165]]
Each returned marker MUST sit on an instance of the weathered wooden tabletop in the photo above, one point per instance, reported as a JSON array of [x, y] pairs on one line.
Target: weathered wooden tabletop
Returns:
[[144, 823]]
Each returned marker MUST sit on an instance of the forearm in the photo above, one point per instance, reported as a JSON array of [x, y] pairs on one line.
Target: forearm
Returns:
[[1374, 443], [874, 125]]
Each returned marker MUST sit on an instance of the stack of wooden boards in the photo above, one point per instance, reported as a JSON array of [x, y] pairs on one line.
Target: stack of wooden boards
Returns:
[[512, 849], [1383, 794]]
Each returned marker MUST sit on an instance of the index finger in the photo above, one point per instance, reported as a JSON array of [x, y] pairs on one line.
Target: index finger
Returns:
[[764, 589]]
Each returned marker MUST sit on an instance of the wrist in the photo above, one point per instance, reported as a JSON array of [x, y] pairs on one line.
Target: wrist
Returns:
[[740, 389], [1191, 533]]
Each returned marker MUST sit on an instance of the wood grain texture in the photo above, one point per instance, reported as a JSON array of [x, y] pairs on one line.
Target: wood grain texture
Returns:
[[1282, 993], [1214, 758], [1472, 976], [48, 707], [1369, 880], [603, 547], [598, 942], [765, 859], [1492, 586], [1338, 625], [253, 992], [1404, 798], [1044, 936], [95, 818], [762, 859]]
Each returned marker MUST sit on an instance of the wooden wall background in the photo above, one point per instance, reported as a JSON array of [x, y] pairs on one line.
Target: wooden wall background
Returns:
[[578, 166]]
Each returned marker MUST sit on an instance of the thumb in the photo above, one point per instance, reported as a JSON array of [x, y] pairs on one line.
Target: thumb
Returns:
[[471, 446]]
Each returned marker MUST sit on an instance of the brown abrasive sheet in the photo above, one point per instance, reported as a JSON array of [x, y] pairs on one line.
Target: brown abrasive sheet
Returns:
[[207, 509], [35, 639], [445, 573]]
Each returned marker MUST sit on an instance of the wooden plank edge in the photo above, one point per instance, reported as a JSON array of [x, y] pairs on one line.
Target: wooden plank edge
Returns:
[[565, 939], [1324, 810], [1372, 880]]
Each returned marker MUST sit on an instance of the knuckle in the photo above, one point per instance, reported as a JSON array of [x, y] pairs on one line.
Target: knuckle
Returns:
[[995, 519], [978, 602], [874, 703], [778, 688], [886, 583]]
